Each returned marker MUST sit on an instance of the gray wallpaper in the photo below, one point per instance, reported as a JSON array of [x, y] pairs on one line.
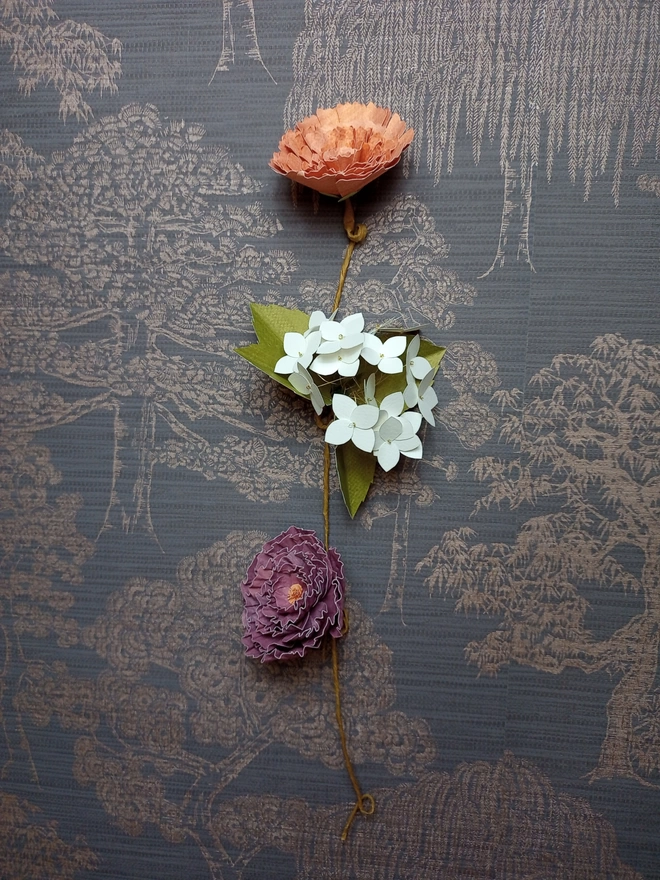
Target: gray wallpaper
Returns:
[[500, 677]]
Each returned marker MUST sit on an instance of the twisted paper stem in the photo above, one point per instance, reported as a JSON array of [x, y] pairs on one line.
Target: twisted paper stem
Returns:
[[364, 803]]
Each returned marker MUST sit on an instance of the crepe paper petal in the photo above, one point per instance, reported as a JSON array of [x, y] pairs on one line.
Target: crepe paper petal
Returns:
[[388, 456], [393, 403], [364, 439], [338, 432], [343, 406]]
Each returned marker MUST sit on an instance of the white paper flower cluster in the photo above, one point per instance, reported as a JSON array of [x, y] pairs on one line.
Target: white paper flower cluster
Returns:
[[387, 429]]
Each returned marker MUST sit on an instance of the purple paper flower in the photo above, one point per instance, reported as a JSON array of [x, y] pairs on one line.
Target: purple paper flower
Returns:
[[293, 594]]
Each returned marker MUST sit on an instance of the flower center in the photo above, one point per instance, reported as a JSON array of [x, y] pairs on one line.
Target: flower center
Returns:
[[295, 592]]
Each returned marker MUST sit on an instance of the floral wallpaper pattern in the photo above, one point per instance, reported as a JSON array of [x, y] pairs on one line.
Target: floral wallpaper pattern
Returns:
[[500, 676]]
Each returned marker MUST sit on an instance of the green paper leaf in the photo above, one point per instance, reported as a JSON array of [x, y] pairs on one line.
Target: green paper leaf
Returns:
[[271, 322], [355, 469]]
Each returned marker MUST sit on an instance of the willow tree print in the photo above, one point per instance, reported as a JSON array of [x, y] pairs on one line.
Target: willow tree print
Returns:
[[575, 75], [586, 458]]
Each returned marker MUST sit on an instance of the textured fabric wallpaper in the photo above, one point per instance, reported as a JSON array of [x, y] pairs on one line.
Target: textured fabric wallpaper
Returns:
[[500, 676]]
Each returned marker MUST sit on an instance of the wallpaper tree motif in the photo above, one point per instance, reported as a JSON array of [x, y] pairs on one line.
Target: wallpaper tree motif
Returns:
[[581, 74], [73, 57], [586, 454], [137, 734], [482, 820], [129, 241], [238, 15], [41, 558]]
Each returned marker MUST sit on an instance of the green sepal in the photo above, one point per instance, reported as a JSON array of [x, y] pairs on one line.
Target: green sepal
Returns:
[[356, 470], [271, 322]]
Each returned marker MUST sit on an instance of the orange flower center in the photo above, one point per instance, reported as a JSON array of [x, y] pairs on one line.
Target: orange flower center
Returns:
[[295, 593]]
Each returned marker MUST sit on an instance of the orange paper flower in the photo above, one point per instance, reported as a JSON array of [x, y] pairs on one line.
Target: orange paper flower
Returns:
[[342, 149]]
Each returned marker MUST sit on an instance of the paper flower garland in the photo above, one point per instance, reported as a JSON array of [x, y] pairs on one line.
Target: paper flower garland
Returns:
[[377, 385], [372, 382]]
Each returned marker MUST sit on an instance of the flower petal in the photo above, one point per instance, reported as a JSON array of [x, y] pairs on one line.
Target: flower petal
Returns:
[[343, 406], [365, 416], [295, 344], [285, 365], [393, 403], [364, 439], [388, 456], [394, 346], [390, 429], [390, 365], [338, 432]]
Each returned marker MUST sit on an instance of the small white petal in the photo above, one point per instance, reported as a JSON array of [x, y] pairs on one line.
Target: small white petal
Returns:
[[330, 330], [388, 456], [364, 439], [315, 320], [317, 400], [295, 344], [365, 416], [407, 431], [348, 369], [343, 406], [419, 367], [415, 451], [285, 365], [393, 404], [324, 364], [390, 365], [329, 347], [394, 346], [338, 432], [370, 390], [390, 429], [352, 324], [413, 348], [351, 340], [370, 355], [414, 419], [410, 395]]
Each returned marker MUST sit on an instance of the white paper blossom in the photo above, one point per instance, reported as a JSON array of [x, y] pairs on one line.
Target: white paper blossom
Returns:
[[299, 350], [396, 432], [305, 385], [422, 396], [316, 319], [354, 422], [384, 355], [416, 367]]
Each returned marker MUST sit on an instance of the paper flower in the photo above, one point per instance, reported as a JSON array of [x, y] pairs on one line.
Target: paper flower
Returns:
[[422, 396], [293, 594], [354, 422], [396, 432], [299, 349], [305, 385], [341, 149], [340, 346], [384, 355], [416, 367]]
